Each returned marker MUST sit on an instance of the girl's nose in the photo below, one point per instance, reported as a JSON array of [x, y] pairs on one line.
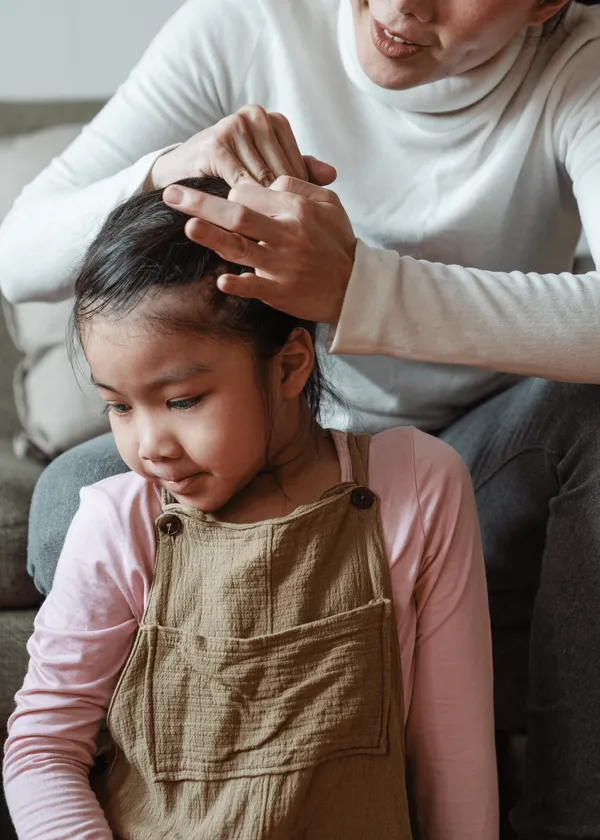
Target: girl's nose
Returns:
[[157, 443]]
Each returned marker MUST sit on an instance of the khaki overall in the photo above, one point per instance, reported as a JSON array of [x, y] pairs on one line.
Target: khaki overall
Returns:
[[263, 694]]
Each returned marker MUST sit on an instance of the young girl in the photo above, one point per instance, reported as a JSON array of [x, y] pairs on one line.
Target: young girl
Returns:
[[275, 618]]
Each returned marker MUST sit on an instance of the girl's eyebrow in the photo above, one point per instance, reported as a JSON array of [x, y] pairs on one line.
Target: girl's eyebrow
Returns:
[[177, 374]]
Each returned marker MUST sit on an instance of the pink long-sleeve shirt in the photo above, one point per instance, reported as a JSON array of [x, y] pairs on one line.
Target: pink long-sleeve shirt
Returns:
[[85, 629]]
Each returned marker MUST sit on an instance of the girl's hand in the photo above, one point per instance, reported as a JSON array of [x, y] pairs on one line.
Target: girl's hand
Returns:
[[297, 236], [251, 145]]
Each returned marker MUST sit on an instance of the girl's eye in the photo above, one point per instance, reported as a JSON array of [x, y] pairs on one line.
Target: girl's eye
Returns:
[[116, 408], [181, 405]]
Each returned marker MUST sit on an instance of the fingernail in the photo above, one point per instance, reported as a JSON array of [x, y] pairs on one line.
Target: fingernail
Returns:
[[174, 195]]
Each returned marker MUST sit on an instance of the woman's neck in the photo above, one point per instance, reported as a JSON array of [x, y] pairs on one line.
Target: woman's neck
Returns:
[[452, 94]]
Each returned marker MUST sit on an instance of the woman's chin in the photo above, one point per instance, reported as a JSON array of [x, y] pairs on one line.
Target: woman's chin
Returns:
[[393, 74]]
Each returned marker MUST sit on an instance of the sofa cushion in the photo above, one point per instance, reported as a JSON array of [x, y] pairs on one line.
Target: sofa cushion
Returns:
[[16, 626], [55, 410], [56, 403], [16, 486]]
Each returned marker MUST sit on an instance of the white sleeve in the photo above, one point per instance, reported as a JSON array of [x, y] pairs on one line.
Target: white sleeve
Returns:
[[530, 324], [185, 82]]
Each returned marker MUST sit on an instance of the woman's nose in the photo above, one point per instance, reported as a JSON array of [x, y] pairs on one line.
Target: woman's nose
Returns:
[[422, 10], [156, 442]]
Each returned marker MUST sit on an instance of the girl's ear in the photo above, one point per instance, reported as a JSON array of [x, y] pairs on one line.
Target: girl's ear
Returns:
[[546, 9], [296, 362]]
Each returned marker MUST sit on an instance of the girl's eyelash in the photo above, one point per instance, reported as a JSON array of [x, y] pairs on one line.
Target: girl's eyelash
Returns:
[[181, 405], [112, 407], [177, 405]]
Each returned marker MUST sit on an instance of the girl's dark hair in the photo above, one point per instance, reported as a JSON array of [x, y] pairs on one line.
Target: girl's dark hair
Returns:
[[142, 248]]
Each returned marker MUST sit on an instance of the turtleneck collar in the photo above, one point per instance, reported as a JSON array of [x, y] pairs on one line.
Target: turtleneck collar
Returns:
[[445, 96]]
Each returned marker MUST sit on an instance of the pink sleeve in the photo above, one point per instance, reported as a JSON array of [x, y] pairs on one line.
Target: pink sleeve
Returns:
[[437, 558], [82, 637]]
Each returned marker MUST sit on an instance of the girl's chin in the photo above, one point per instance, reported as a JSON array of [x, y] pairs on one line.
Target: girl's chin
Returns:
[[206, 503]]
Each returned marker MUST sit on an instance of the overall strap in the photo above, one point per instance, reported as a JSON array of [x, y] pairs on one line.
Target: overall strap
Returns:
[[167, 499], [358, 446]]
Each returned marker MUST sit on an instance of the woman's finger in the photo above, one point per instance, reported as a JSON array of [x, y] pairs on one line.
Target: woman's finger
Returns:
[[287, 141], [270, 203], [286, 197], [262, 131], [232, 246], [319, 172], [236, 155], [231, 169], [224, 213], [247, 286], [313, 192]]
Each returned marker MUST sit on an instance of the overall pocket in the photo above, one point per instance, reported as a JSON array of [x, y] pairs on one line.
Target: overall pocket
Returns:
[[220, 708]]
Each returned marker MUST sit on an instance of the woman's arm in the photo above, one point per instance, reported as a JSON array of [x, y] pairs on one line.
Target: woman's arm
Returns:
[[308, 263], [530, 324], [83, 635], [450, 724], [181, 85]]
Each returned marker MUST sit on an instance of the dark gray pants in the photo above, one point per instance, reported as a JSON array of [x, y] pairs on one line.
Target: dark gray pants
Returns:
[[534, 455]]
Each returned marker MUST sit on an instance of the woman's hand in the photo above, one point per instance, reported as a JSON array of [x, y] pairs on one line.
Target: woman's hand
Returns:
[[297, 236], [251, 145]]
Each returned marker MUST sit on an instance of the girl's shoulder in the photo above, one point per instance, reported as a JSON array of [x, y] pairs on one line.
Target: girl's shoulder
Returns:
[[111, 539], [125, 498], [411, 470], [422, 484], [406, 448]]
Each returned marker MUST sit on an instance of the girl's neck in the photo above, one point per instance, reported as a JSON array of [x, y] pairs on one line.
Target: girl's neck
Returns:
[[301, 469]]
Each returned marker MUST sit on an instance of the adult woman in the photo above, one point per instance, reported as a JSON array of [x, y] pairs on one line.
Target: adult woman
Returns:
[[465, 133]]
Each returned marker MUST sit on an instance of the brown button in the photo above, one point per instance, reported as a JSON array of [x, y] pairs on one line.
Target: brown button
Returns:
[[170, 524], [362, 498]]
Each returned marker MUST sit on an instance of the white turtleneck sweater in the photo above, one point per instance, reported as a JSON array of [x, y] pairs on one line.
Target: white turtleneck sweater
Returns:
[[473, 185]]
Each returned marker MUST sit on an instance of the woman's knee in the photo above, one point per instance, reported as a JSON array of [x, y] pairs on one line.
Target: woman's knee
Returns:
[[568, 399], [56, 499], [553, 415]]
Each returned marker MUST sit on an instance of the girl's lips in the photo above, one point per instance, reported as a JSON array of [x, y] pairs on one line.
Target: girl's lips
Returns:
[[389, 47], [179, 485]]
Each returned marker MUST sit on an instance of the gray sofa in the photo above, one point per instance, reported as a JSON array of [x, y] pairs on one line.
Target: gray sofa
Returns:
[[19, 599], [18, 596]]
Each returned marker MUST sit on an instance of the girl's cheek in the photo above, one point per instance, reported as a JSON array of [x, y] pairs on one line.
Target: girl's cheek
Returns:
[[126, 442]]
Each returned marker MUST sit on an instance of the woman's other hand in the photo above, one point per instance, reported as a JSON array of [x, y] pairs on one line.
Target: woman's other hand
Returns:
[[250, 145], [296, 235]]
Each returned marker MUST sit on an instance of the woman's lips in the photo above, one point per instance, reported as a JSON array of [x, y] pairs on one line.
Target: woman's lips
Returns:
[[389, 47]]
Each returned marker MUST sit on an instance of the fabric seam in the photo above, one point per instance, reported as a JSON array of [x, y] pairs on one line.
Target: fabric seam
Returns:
[[414, 460]]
